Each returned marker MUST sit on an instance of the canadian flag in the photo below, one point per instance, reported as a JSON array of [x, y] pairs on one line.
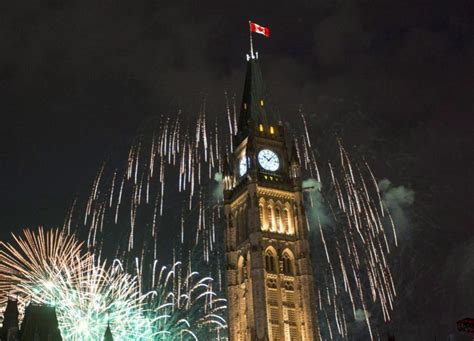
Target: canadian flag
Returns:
[[259, 29]]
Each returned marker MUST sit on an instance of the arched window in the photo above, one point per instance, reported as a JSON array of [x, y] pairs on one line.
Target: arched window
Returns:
[[261, 212], [271, 225], [270, 261], [287, 261], [278, 227], [286, 221]]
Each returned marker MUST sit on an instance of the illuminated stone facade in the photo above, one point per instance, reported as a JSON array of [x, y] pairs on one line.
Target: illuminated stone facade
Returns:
[[271, 294]]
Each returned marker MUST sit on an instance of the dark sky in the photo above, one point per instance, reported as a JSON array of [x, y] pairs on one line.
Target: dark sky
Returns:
[[77, 78]]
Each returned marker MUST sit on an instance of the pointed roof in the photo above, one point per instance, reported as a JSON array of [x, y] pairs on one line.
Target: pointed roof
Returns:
[[108, 334], [254, 102], [40, 322]]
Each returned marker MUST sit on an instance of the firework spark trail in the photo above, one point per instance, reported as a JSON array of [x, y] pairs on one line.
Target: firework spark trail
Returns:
[[359, 213], [69, 217], [178, 293], [231, 124], [175, 152], [309, 156]]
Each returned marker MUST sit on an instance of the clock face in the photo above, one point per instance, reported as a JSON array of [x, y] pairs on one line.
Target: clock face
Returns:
[[268, 160], [242, 166]]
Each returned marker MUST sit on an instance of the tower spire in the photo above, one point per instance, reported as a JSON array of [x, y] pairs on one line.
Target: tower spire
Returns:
[[254, 108], [108, 333]]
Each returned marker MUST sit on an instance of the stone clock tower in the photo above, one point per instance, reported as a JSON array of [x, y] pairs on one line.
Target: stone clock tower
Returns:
[[270, 287]]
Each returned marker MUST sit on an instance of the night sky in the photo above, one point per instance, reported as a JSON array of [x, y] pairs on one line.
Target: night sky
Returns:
[[78, 78]]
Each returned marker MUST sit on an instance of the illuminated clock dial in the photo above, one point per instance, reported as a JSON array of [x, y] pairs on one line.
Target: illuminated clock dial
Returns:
[[243, 166], [268, 160]]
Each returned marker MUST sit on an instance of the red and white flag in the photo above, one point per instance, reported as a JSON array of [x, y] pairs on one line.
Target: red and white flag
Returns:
[[259, 29]]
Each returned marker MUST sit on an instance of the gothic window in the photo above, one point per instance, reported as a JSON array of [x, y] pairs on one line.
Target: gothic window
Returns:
[[287, 264], [261, 212], [278, 226], [271, 226], [270, 262], [286, 221]]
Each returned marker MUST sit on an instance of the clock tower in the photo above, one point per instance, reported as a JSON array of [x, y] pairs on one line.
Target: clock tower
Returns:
[[270, 286]]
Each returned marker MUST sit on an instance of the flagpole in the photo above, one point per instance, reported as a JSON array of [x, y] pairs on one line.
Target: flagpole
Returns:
[[251, 43]]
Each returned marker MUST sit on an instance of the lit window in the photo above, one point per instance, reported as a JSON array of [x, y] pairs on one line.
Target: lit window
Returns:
[[261, 102], [261, 212], [287, 264], [279, 227], [272, 130], [270, 218], [245, 106], [286, 221], [270, 262], [260, 127]]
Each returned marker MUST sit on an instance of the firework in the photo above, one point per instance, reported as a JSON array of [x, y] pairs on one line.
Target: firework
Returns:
[[356, 232], [50, 268], [170, 165], [184, 304]]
